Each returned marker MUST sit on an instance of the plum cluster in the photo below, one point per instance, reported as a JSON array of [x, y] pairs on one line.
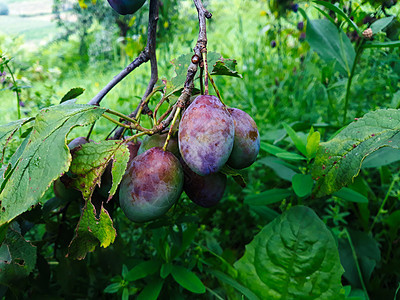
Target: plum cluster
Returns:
[[210, 135]]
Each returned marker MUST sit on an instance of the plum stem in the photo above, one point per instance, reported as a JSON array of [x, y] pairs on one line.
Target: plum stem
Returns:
[[216, 89], [206, 74], [177, 112]]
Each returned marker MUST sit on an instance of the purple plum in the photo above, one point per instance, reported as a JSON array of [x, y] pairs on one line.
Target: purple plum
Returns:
[[152, 184], [206, 134], [247, 140], [124, 7], [158, 140], [205, 191]]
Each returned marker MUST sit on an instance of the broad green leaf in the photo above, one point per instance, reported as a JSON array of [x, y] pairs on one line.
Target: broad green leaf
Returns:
[[151, 291], [302, 184], [91, 231], [267, 197], [72, 94], [143, 269], [188, 280], [17, 257], [293, 257], [367, 254], [45, 156], [351, 195], [125, 294], [331, 43], [181, 65], [381, 24], [298, 142], [283, 169], [236, 285], [90, 161], [313, 144], [339, 160], [7, 131], [391, 44], [341, 13]]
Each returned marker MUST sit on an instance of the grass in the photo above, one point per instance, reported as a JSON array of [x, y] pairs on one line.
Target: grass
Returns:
[[32, 28]]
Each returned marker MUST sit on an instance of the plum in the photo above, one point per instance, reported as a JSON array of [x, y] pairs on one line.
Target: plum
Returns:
[[77, 142], [247, 140], [205, 191], [152, 184], [206, 134], [158, 140], [124, 7]]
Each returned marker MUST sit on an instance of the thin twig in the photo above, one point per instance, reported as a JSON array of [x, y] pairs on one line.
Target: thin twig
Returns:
[[151, 50], [216, 89]]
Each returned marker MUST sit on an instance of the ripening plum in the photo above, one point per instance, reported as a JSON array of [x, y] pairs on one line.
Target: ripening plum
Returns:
[[158, 140], [124, 7], [205, 191], [152, 184], [247, 140], [206, 134]]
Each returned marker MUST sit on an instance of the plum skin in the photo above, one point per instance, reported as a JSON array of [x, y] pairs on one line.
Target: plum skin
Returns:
[[124, 7], [205, 191], [158, 140], [206, 134], [246, 144], [152, 184]]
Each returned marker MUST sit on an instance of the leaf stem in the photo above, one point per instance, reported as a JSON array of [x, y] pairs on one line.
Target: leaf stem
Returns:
[[116, 122], [122, 116], [353, 251], [16, 91], [360, 49], [171, 126], [384, 201], [206, 74], [216, 89]]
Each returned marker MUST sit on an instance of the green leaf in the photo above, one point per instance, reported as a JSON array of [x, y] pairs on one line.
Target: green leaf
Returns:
[[351, 195], [151, 291], [181, 65], [17, 257], [331, 43], [236, 285], [236, 175], [225, 67], [125, 294], [112, 288], [339, 160], [298, 142], [341, 13], [90, 161], [72, 94], [271, 149], [293, 257], [283, 169], [290, 156], [367, 254], [381, 24], [267, 197], [302, 184], [313, 144], [7, 131], [188, 280], [391, 44], [42, 157], [266, 214], [91, 231], [143, 270], [165, 270]]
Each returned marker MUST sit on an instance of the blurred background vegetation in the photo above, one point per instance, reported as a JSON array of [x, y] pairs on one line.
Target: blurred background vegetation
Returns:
[[57, 45]]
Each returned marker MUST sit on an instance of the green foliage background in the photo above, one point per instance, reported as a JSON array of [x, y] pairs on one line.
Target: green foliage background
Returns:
[[291, 92]]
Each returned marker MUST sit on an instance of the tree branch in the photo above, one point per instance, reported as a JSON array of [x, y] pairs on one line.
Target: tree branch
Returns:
[[147, 54]]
